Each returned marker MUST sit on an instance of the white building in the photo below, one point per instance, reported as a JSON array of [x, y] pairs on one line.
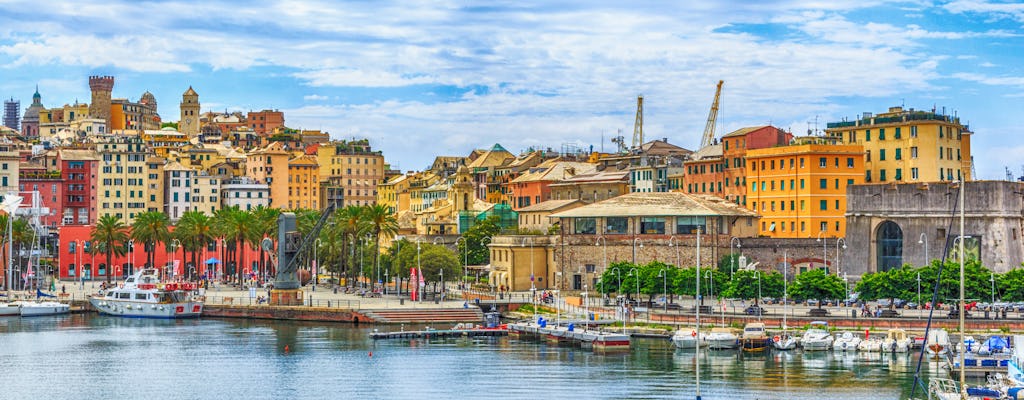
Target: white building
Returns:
[[178, 189], [245, 193]]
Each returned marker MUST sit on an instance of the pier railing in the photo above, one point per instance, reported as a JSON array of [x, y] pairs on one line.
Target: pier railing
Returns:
[[259, 301]]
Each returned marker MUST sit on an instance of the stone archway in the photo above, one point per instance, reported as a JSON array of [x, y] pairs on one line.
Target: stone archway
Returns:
[[888, 246]]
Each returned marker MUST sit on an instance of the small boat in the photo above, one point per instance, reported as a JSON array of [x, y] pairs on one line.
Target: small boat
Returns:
[[968, 344], [896, 341], [143, 296], [937, 342], [10, 309], [1013, 369], [754, 337], [846, 342], [817, 337], [870, 345], [686, 338], [994, 345], [41, 308], [784, 342], [722, 338]]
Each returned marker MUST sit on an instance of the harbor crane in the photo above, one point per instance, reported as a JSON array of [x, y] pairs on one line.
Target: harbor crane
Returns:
[[709, 129], [638, 125]]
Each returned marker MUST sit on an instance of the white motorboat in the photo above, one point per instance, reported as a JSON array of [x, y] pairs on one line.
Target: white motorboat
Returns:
[[722, 338], [817, 337], [10, 309], [686, 338], [754, 337], [143, 296], [870, 345], [937, 342], [968, 344], [40, 308], [846, 342], [784, 342], [896, 341]]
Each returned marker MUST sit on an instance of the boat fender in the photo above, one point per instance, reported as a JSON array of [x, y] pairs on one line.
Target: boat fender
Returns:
[[693, 333], [776, 338]]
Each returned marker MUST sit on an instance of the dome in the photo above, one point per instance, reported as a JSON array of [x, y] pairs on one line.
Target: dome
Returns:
[[147, 98]]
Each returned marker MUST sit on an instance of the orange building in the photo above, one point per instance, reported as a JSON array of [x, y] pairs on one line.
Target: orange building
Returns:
[[303, 183], [720, 169], [800, 190], [265, 121], [533, 187]]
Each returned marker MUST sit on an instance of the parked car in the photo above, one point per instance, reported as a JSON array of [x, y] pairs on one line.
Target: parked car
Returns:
[[812, 302], [755, 310], [884, 303], [899, 303], [912, 305]]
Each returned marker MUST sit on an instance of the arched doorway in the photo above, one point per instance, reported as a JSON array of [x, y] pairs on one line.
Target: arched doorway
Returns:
[[889, 239]]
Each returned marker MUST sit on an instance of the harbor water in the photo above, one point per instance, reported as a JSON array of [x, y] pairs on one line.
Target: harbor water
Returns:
[[93, 357]]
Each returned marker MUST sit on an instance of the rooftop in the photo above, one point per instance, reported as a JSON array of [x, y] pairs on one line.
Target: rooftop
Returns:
[[658, 204]]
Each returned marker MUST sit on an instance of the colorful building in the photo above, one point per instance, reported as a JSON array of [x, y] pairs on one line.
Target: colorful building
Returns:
[[352, 167], [269, 165], [265, 121], [534, 186], [720, 169], [909, 145], [303, 183], [122, 177], [79, 170], [800, 190], [37, 184]]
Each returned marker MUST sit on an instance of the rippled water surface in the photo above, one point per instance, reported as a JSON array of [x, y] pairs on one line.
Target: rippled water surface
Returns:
[[96, 357]]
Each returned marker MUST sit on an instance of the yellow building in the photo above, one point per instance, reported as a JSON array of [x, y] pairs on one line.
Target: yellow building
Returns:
[[800, 190], [155, 183], [303, 183], [164, 140], [269, 165], [909, 146], [122, 189], [205, 193], [390, 194], [352, 167]]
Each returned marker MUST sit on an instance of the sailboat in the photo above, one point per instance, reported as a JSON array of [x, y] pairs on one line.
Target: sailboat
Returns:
[[785, 341], [39, 307]]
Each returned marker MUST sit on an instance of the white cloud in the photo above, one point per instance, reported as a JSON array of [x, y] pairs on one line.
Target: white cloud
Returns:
[[360, 78], [999, 10], [134, 53], [991, 80], [315, 97]]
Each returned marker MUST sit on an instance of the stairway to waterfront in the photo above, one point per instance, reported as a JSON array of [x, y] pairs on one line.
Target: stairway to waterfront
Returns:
[[425, 315]]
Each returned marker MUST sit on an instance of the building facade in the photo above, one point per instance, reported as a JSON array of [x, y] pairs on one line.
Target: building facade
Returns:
[[245, 193], [909, 145], [189, 122]]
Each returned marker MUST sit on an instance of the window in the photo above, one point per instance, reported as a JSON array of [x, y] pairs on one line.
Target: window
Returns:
[[687, 225], [782, 206], [823, 205], [849, 182], [822, 162], [824, 226], [868, 155], [913, 152], [899, 174], [881, 154], [867, 135], [801, 183], [899, 154], [803, 205], [913, 131], [913, 174], [823, 183], [940, 152], [849, 162], [896, 135], [791, 208], [585, 226], [881, 134], [881, 175], [801, 163], [837, 204], [616, 225], [867, 176], [652, 225]]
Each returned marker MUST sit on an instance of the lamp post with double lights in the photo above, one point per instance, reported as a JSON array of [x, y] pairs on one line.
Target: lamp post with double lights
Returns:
[[174, 248], [839, 261], [316, 262], [758, 275], [824, 251], [732, 255], [618, 289], [465, 259], [924, 240], [131, 256], [440, 241]]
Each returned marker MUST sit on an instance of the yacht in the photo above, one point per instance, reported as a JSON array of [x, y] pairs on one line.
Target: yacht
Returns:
[[9, 309], [871, 345], [937, 343], [846, 342], [686, 338], [816, 337], [722, 338], [785, 342], [40, 308], [143, 296], [896, 341]]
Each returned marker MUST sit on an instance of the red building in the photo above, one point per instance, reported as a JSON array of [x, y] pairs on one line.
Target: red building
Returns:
[[75, 261], [78, 169], [265, 121], [34, 179]]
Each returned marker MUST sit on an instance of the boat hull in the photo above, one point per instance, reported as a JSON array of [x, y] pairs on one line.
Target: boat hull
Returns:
[[722, 343], [9, 310], [43, 309], [816, 345], [755, 344], [134, 309]]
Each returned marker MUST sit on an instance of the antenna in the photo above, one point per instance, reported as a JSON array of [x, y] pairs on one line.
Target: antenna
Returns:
[[1009, 175]]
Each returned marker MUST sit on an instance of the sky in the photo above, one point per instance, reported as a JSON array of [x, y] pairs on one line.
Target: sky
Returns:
[[427, 78]]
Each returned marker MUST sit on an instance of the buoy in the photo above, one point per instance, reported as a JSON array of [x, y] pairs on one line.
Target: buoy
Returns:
[[285, 348], [371, 354]]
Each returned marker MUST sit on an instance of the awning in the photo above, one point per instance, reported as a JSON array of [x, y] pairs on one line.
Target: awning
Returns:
[[212, 260]]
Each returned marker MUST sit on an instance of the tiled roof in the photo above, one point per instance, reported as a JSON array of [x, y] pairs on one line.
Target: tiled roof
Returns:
[[659, 204]]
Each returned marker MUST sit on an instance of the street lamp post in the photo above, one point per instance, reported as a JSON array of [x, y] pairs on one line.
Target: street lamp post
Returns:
[[708, 275], [664, 288], [636, 274], [839, 260], [465, 259], [672, 243], [619, 290], [732, 255], [174, 248], [488, 239], [846, 280], [992, 278], [131, 256], [316, 262], [419, 270], [924, 240], [635, 241], [441, 240], [824, 251], [919, 294], [758, 275], [81, 269]]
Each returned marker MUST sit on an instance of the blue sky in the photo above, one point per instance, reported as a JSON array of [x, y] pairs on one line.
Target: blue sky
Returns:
[[427, 78]]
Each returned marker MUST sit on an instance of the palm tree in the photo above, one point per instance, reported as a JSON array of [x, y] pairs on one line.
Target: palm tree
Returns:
[[379, 220], [151, 227], [195, 231], [350, 224], [239, 225], [265, 220], [109, 236]]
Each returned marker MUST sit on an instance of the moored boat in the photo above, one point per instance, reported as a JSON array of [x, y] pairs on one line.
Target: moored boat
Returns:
[[896, 341], [143, 296], [817, 337], [41, 308], [9, 309], [686, 338], [784, 341], [846, 342], [937, 342], [722, 338], [754, 337]]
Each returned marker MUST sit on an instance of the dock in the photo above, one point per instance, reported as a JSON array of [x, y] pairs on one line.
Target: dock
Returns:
[[441, 333], [587, 339]]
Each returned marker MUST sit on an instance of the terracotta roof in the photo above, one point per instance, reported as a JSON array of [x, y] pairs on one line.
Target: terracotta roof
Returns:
[[556, 171], [712, 151], [743, 131], [79, 155], [602, 176], [550, 205], [659, 204], [495, 157]]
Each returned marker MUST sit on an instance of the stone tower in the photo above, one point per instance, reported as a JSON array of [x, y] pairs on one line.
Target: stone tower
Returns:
[[101, 86], [30, 122], [189, 122]]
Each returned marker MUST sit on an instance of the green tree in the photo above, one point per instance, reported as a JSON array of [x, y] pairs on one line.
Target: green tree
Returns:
[[976, 280], [109, 236], [238, 225], [379, 221], [150, 228], [1011, 285], [195, 231], [816, 284], [898, 283], [729, 263], [477, 237], [745, 285]]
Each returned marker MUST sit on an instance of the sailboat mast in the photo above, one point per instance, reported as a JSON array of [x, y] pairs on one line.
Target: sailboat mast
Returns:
[[697, 307], [785, 288], [963, 388]]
